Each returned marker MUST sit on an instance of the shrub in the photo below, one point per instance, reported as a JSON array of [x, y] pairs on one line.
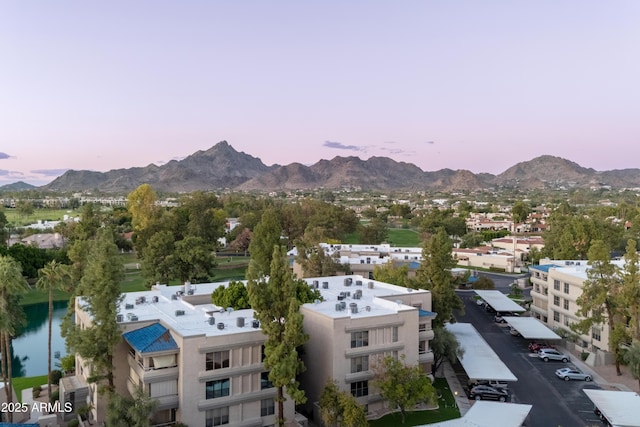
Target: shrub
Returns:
[[55, 396], [35, 393], [73, 423], [55, 376], [38, 387]]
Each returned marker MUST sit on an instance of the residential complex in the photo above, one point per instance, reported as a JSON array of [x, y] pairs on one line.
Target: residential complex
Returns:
[[203, 363]]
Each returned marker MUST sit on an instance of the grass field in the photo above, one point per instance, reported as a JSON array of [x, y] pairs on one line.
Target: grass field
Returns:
[[38, 215], [447, 410], [396, 237], [24, 383]]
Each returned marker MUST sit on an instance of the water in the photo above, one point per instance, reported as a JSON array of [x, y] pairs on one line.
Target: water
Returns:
[[30, 347]]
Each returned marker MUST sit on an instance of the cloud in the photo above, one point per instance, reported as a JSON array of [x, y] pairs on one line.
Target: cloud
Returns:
[[4, 156], [341, 146], [430, 142], [49, 172]]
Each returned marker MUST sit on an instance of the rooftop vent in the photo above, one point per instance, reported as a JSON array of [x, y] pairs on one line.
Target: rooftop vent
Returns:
[[343, 305], [229, 310], [212, 320], [325, 285], [220, 325], [141, 300], [353, 307], [338, 306], [348, 281], [132, 317], [367, 308], [358, 282], [315, 284], [179, 312], [370, 285], [174, 297], [155, 299], [128, 306], [240, 322], [190, 292], [255, 324], [119, 318]]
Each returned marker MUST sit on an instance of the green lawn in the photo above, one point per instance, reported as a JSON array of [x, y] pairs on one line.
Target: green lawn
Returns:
[[38, 214], [24, 383], [447, 411], [404, 237]]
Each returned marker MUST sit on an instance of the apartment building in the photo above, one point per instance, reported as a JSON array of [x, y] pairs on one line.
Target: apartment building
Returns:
[[203, 363], [556, 287], [359, 322]]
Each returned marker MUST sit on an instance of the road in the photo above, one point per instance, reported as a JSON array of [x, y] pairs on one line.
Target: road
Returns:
[[555, 402]]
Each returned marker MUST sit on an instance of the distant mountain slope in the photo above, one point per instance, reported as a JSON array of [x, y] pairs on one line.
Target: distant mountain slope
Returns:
[[223, 167], [17, 186]]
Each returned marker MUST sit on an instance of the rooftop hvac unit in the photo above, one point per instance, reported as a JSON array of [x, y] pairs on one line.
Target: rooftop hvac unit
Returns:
[[358, 292], [155, 299], [347, 294], [220, 325], [325, 285], [255, 324], [340, 297], [315, 284], [370, 285], [190, 292], [119, 318], [358, 282], [343, 305], [174, 297], [353, 307], [128, 306], [141, 300], [179, 312], [240, 322], [348, 281], [357, 296], [132, 317], [212, 320], [367, 308], [338, 306]]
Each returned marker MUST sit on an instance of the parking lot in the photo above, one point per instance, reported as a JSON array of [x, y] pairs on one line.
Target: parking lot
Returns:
[[555, 402]]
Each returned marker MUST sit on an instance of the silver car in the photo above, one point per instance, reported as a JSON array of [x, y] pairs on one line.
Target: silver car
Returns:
[[547, 354], [572, 374]]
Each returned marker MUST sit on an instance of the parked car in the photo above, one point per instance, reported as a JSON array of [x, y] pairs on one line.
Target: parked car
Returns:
[[485, 392], [488, 307], [480, 302], [572, 374], [547, 354], [499, 317], [513, 331], [491, 383], [535, 347]]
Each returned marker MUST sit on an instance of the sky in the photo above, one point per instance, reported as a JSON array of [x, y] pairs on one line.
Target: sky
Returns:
[[476, 85]]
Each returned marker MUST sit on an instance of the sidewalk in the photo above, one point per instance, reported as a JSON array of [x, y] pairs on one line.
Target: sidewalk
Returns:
[[456, 388]]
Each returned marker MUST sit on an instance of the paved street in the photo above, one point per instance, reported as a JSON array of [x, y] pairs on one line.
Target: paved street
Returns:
[[555, 402]]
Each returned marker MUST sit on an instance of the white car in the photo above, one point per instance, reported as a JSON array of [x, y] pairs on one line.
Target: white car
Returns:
[[547, 354], [572, 374]]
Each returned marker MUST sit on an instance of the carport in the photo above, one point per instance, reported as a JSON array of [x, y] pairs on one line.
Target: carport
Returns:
[[485, 414], [479, 360], [531, 328], [620, 408], [500, 302]]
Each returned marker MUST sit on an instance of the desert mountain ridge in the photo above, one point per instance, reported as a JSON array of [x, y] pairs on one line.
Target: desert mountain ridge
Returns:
[[222, 167]]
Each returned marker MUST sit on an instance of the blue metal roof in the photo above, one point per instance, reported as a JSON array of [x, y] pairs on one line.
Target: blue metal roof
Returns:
[[414, 265], [151, 338], [426, 313], [544, 268]]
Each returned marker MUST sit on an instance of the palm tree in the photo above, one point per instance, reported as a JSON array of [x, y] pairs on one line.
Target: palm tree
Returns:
[[12, 286], [632, 358], [52, 276]]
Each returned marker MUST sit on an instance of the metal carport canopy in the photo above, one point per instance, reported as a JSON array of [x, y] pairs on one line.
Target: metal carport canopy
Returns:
[[621, 408], [500, 302], [531, 328], [485, 414], [479, 360]]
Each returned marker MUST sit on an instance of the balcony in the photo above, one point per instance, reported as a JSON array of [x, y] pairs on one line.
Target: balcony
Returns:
[[426, 335], [426, 357], [148, 374]]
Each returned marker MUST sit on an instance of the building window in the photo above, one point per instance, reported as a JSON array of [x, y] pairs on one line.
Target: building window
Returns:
[[359, 364], [217, 417], [556, 285], [546, 291], [217, 388], [217, 360], [537, 288], [556, 316], [264, 381], [262, 355], [359, 339], [566, 288], [565, 304], [556, 300], [360, 388], [422, 327], [394, 334], [566, 320], [267, 407], [422, 347], [595, 334]]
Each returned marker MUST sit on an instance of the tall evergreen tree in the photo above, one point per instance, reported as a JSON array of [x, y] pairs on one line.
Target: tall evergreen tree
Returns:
[[266, 235], [100, 292], [631, 288], [276, 307], [434, 274]]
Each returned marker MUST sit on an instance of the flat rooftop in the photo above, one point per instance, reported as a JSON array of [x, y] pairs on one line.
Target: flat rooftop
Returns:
[[500, 302], [531, 328], [485, 414], [621, 408]]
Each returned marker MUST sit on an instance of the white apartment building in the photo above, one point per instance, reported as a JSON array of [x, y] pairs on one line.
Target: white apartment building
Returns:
[[556, 287], [203, 363]]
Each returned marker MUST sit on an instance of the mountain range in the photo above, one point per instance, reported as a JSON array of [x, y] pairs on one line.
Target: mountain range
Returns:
[[222, 167]]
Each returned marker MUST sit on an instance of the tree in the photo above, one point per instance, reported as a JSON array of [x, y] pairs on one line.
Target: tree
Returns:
[[234, 295], [434, 274], [242, 241], [340, 408], [600, 298], [100, 292], [632, 359], [276, 307], [53, 276], [134, 411], [519, 212], [375, 232], [156, 261], [631, 288], [483, 282], [403, 386], [205, 218], [192, 258], [445, 346], [315, 262], [141, 203], [394, 274], [25, 208], [266, 235], [12, 286]]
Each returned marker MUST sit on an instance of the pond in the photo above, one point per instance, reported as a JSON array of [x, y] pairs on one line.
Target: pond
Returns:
[[30, 347]]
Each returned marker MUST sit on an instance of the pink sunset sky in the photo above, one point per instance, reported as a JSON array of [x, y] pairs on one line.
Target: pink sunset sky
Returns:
[[477, 85]]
